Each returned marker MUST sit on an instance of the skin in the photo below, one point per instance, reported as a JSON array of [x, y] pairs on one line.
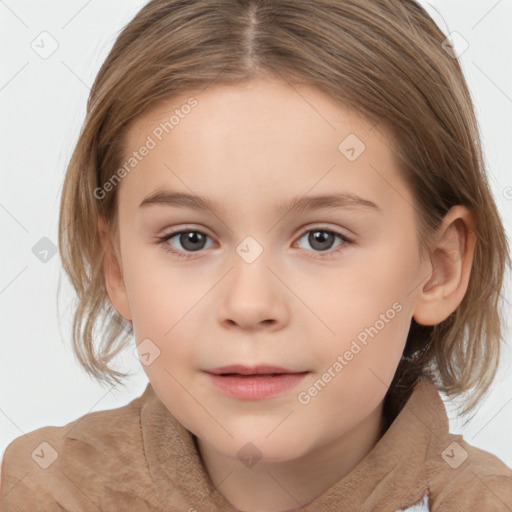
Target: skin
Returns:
[[251, 147]]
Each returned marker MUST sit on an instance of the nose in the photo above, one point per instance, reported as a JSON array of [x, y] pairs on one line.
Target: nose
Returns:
[[253, 297]]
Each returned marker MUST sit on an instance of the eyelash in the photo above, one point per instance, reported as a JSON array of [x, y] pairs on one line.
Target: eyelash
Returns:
[[322, 254]]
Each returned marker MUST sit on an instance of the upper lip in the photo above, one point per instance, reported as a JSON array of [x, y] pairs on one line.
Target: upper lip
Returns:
[[262, 369]]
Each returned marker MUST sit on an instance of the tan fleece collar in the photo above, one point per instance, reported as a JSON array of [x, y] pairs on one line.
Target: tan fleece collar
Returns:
[[397, 470]]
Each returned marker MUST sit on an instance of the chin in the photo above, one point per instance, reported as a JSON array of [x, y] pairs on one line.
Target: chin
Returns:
[[257, 449]]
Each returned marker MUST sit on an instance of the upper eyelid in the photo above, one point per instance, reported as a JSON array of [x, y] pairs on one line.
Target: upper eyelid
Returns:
[[304, 229], [302, 232]]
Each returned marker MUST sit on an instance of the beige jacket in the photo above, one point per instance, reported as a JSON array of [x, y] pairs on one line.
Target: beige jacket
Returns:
[[140, 458]]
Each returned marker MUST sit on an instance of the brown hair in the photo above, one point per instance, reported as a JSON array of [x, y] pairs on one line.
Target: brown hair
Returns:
[[385, 60]]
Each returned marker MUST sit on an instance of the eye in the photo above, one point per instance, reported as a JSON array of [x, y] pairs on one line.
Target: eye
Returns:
[[190, 240], [321, 239]]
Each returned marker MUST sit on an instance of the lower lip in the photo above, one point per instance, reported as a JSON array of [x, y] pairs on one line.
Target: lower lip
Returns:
[[256, 388]]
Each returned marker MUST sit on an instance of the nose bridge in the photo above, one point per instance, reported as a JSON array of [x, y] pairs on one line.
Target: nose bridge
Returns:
[[252, 248], [251, 262], [251, 295]]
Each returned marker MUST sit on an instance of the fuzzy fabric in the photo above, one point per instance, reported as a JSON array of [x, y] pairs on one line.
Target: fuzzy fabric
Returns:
[[140, 458], [423, 505]]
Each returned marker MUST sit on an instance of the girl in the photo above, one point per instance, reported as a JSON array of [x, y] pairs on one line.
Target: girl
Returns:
[[283, 375]]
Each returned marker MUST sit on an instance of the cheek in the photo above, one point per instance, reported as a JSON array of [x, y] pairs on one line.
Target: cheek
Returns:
[[165, 321], [158, 292], [164, 304], [368, 309], [353, 297]]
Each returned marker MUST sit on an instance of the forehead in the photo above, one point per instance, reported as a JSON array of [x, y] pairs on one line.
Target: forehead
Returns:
[[259, 141], [273, 106]]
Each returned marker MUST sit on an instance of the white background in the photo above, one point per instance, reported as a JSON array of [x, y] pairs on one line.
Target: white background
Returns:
[[42, 106]]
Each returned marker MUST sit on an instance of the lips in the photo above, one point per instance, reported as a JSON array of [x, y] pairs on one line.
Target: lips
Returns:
[[254, 382], [259, 370]]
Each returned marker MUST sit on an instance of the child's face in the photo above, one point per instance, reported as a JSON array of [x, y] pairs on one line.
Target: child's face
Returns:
[[338, 310]]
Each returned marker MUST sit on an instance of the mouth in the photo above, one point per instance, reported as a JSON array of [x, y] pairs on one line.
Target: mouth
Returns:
[[253, 371], [254, 383], [250, 375]]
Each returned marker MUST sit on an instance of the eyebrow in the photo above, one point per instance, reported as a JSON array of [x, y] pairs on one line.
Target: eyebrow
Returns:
[[295, 205]]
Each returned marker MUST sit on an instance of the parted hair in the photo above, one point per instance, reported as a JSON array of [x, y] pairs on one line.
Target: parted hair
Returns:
[[385, 59]]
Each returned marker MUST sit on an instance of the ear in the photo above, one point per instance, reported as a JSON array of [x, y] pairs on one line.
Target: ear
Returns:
[[112, 272], [450, 263]]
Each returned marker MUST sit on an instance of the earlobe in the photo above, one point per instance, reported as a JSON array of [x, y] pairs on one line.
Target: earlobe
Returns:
[[451, 260], [112, 272]]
